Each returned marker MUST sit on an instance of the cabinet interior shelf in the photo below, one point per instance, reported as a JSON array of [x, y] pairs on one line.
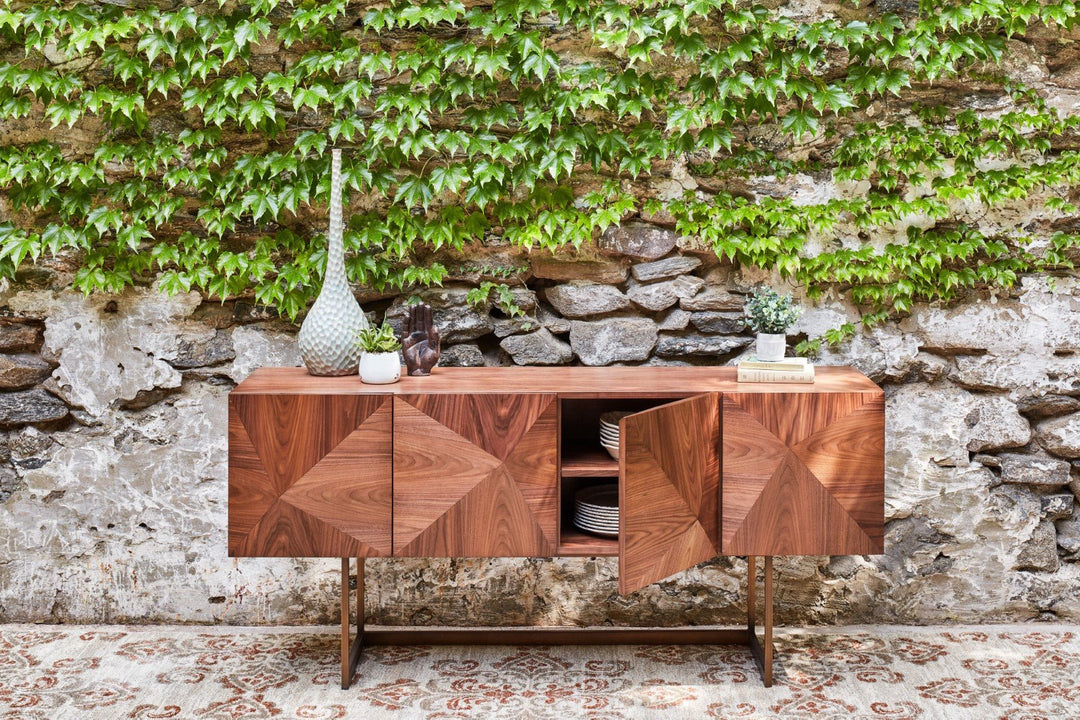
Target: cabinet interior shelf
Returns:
[[575, 543], [585, 461]]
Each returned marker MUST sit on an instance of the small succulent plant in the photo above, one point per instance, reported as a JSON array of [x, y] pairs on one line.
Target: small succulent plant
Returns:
[[770, 312], [378, 339]]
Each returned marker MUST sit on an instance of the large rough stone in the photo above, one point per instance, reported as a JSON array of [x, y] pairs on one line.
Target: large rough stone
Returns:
[[207, 350], [639, 240], [676, 319], [677, 345], [554, 323], [29, 407], [524, 298], [722, 323], [1047, 405], [29, 448], [458, 323], [1040, 552], [904, 8], [1058, 506], [461, 356], [664, 269], [19, 337], [713, 298], [662, 295], [457, 320], [22, 371], [1033, 470], [538, 348], [505, 327], [578, 300], [613, 271], [993, 373], [10, 483], [1061, 436], [602, 342], [1068, 532], [995, 424]]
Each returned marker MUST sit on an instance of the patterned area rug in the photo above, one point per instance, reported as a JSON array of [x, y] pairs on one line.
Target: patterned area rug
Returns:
[[1019, 672]]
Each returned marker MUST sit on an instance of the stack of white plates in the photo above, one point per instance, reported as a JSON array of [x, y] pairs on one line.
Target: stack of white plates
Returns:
[[596, 509], [609, 431]]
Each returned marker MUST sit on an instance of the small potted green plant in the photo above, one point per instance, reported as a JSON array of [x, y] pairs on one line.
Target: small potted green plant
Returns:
[[379, 361], [771, 314]]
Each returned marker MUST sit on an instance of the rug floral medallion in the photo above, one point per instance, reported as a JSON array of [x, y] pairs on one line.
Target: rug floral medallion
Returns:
[[1014, 672]]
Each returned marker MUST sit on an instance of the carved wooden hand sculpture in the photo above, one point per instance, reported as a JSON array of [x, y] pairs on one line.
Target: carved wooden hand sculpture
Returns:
[[420, 343]]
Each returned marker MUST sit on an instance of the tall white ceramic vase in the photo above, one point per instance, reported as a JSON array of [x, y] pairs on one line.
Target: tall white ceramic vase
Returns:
[[328, 335]]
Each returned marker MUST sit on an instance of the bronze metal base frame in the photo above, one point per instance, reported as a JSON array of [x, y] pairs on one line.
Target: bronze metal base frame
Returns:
[[762, 649]]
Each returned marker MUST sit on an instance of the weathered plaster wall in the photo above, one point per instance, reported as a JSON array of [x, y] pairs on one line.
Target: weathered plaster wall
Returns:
[[113, 482]]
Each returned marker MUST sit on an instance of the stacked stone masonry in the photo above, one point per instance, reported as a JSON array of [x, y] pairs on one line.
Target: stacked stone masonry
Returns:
[[113, 482]]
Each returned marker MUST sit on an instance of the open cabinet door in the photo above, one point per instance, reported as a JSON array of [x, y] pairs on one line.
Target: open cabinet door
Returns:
[[669, 490]]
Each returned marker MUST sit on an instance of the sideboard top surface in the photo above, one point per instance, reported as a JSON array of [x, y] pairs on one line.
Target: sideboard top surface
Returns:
[[582, 382]]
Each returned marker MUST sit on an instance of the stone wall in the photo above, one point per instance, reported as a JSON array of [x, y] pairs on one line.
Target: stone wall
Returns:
[[113, 482]]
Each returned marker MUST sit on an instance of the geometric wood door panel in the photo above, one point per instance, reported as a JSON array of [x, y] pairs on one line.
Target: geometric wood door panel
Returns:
[[475, 475], [804, 474], [310, 475], [669, 490]]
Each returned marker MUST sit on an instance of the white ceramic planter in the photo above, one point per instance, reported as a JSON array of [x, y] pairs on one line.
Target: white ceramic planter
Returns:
[[770, 347], [380, 368]]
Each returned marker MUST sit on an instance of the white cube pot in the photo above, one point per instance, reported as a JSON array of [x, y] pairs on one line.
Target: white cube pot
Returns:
[[380, 368], [771, 347]]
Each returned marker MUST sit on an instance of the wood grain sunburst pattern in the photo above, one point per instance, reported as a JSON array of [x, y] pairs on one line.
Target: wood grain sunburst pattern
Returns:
[[475, 475], [310, 475], [670, 491], [803, 474]]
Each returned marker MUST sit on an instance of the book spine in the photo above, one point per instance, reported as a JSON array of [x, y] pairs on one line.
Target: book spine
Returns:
[[763, 376], [775, 367]]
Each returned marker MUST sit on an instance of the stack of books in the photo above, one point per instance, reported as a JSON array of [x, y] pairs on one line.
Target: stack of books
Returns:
[[788, 370]]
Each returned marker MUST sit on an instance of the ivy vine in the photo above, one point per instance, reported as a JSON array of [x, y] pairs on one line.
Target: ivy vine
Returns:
[[533, 123]]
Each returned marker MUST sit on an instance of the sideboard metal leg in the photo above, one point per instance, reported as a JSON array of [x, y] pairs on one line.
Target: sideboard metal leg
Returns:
[[768, 620], [358, 642], [751, 595], [350, 648], [346, 674], [762, 650]]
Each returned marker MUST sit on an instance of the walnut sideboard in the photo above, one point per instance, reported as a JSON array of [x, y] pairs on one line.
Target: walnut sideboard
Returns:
[[484, 462]]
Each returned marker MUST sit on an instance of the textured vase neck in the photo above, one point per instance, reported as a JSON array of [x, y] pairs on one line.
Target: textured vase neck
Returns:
[[335, 251]]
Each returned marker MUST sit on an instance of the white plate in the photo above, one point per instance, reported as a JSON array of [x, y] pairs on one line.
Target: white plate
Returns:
[[610, 525], [596, 507], [596, 522], [605, 495], [607, 532], [612, 417], [596, 515]]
